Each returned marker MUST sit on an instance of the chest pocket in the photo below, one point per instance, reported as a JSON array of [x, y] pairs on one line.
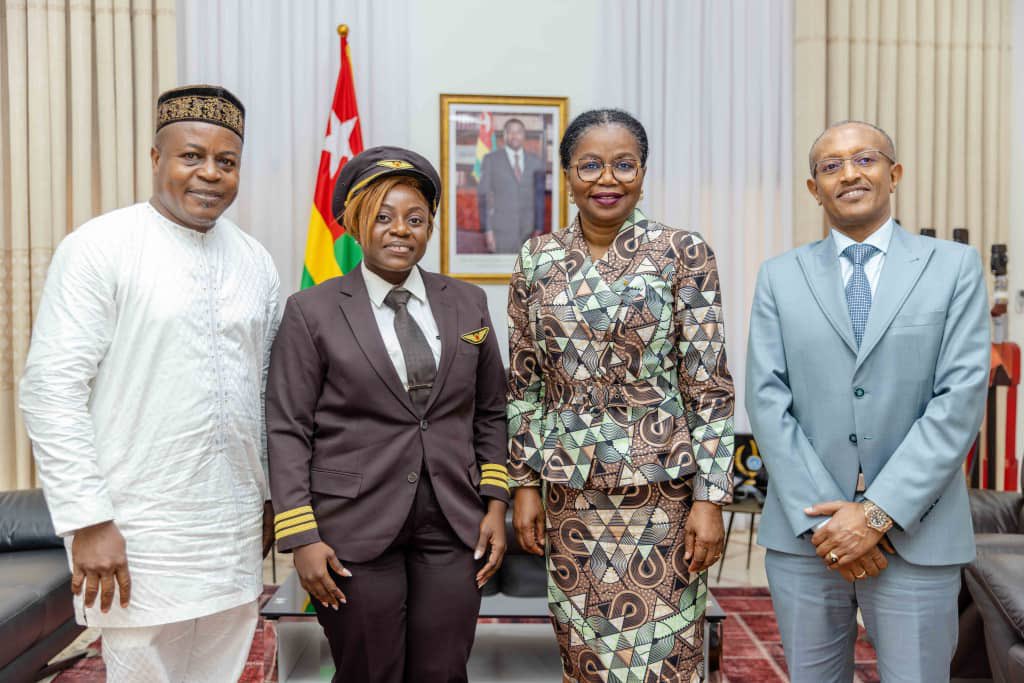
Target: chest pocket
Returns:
[[646, 306]]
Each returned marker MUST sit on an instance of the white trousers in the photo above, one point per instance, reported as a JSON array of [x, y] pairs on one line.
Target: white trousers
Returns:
[[210, 649]]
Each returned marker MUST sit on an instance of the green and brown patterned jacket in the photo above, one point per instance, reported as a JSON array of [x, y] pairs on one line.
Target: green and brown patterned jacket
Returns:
[[617, 368]]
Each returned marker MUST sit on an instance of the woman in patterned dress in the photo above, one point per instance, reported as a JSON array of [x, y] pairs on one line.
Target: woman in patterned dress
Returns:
[[620, 418]]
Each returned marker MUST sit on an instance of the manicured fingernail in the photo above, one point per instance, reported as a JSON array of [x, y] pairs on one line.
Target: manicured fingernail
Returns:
[[478, 554], [345, 572], [334, 607]]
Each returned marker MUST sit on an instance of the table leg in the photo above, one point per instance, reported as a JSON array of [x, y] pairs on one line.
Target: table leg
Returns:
[[725, 546]]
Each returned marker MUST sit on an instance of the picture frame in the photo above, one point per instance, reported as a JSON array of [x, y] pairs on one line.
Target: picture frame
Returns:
[[501, 178]]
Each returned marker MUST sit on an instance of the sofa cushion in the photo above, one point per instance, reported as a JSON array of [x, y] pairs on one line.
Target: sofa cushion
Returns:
[[35, 598], [524, 576], [999, 543], [996, 512], [1001, 576], [25, 522]]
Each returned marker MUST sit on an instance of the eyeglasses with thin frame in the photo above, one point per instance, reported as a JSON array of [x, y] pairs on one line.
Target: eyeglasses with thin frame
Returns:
[[623, 170], [864, 161]]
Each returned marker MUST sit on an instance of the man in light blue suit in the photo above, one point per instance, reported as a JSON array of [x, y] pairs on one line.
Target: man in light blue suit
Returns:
[[866, 374]]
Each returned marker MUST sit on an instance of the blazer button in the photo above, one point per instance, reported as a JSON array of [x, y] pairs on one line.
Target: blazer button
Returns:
[[858, 392], [424, 424], [413, 477], [853, 438]]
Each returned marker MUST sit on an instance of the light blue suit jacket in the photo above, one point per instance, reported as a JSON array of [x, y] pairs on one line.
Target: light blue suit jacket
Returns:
[[904, 408]]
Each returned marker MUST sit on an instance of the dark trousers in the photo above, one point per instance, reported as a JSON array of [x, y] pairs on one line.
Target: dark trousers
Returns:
[[411, 613]]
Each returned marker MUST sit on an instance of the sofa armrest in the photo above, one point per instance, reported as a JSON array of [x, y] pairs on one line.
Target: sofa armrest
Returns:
[[1015, 662], [1000, 576], [25, 522], [996, 512]]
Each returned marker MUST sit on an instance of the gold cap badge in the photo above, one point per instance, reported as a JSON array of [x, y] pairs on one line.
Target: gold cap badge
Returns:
[[394, 163]]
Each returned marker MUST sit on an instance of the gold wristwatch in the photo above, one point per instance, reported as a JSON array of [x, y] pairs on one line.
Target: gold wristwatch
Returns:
[[876, 517]]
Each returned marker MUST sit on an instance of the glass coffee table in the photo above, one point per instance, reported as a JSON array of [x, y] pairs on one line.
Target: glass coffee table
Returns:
[[514, 641]]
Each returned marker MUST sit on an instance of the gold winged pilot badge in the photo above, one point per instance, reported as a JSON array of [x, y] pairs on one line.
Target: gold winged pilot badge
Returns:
[[476, 336]]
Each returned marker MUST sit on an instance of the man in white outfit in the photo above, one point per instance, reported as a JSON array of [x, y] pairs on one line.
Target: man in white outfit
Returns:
[[143, 397]]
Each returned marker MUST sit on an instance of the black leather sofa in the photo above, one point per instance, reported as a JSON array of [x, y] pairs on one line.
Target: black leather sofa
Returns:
[[991, 643], [36, 614]]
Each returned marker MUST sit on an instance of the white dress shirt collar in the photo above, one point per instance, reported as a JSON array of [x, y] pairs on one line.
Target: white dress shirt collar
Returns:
[[879, 239], [513, 154], [377, 287]]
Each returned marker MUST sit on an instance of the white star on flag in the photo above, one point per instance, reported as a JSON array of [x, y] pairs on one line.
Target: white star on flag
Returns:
[[336, 143]]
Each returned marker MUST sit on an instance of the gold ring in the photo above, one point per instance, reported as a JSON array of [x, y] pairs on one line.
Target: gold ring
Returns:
[[832, 557], [860, 576]]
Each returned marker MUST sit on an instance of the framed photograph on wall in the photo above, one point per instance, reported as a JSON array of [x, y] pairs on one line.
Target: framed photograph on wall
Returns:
[[501, 178]]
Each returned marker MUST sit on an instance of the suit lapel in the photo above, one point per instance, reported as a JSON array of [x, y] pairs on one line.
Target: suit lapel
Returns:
[[821, 269], [903, 266], [446, 315], [355, 304]]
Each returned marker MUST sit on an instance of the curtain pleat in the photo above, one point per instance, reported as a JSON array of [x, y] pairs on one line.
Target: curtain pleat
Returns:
[[78, 86]]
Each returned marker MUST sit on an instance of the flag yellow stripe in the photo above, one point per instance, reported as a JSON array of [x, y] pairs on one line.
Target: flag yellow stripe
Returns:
[[295, 530], [320, 261], [288, 514]]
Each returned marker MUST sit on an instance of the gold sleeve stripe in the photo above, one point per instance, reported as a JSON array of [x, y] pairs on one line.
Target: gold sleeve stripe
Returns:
[[294, 512], [492, 466], [280, 526], [494, 481], [294, 530]]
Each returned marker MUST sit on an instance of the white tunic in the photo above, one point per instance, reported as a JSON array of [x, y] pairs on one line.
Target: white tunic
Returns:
[[142, 395]]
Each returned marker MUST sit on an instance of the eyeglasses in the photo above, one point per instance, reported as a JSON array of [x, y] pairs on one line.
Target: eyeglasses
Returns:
[[623, 170], [864, 161]]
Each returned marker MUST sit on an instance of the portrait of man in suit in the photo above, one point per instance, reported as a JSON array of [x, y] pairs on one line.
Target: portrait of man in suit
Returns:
[[867, 369], [510, 207]]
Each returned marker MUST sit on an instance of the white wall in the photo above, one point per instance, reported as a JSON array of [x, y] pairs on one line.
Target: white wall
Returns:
[[529, 48]]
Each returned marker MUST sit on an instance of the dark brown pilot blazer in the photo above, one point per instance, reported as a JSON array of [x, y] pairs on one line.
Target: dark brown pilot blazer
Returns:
[[347, 446]]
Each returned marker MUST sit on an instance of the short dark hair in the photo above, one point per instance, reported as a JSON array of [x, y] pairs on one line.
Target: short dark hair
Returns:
[[849, 122], [511, 121], [601, 117]]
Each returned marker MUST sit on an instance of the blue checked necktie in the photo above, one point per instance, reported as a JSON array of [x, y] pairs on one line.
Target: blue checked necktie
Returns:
[[858, 289]]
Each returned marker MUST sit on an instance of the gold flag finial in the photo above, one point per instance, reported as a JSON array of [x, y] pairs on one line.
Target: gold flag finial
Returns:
[[342, 30]]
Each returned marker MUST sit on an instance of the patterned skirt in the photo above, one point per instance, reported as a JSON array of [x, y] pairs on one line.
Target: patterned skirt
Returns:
[[624, 607]]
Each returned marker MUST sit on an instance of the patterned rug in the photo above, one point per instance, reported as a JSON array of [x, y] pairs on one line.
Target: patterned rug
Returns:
[[751, 650]]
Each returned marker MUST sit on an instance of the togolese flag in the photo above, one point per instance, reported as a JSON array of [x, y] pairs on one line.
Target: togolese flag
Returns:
[[329, 251], [484, 142]]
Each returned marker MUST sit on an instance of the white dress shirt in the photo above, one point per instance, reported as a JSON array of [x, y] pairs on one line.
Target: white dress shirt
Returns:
[[515, 156], [873, 266], [143, 397], [418, 307]]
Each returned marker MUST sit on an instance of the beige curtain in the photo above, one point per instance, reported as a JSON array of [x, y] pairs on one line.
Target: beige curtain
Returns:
[[935, 74], [78, 84]]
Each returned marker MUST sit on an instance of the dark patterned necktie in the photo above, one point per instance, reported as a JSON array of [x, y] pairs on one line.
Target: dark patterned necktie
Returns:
[[419, 359], [858, 289], [519, 168]]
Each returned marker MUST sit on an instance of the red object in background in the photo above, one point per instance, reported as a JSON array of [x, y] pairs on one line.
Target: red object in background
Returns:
[[1005, 372], [467, 210]]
